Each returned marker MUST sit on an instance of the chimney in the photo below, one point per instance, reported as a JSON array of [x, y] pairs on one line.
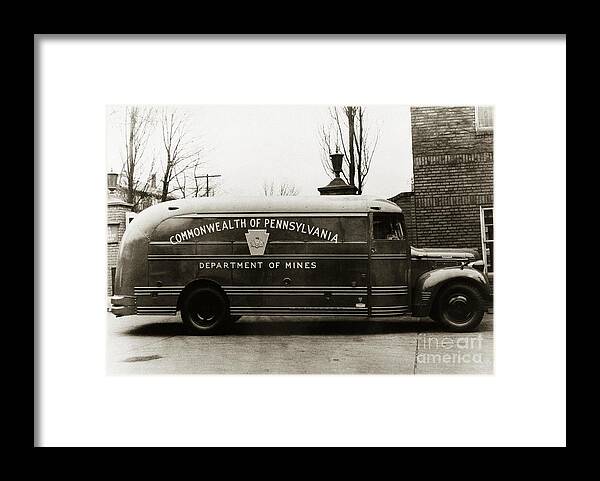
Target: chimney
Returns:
[[337, 186]]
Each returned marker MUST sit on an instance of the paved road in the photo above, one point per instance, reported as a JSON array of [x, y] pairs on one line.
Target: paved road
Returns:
[[262, 345]]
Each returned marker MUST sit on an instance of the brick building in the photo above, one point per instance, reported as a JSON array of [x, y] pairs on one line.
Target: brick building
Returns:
[[453, 186], [143, 198], [118, 214]]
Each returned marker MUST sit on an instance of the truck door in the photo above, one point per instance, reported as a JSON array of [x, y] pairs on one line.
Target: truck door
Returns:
[[389, 261]]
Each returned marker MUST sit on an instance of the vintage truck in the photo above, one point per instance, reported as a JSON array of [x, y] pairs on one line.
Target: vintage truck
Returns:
[[217, 259]]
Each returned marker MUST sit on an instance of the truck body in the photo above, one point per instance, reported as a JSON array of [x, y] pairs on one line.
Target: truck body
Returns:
[[345, 256]]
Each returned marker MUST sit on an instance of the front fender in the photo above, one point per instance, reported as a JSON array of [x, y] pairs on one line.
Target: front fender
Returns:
[[428, 285]]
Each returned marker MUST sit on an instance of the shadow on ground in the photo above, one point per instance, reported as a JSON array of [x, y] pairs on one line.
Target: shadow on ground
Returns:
[[302, 328]]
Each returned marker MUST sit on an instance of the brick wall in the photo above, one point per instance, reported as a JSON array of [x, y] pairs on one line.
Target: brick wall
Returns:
[[447, 131], [453, 175], [117, 214]]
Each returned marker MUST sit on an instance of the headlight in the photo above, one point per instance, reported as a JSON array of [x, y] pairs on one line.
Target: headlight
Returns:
[[479, 265]]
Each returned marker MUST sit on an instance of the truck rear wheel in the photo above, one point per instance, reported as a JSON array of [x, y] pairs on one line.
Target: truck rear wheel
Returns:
[[460, 308], [205, 310]]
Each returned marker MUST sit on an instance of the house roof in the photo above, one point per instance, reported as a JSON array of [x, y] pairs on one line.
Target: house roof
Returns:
[[402, 195], [151, 192]]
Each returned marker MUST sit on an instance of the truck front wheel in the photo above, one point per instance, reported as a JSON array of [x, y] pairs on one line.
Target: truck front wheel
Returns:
[[205, 310], [460, 308]]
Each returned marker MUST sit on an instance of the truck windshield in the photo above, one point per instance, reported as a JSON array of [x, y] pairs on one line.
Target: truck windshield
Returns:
[[387, 226]]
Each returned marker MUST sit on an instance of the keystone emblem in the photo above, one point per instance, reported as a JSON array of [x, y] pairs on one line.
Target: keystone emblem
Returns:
[[257, 241]]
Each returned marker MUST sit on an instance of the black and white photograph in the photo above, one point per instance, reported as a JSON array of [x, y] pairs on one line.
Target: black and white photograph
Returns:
[[299, 240]]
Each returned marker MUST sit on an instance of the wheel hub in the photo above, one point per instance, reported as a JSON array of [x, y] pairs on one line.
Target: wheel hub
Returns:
[[204, 310], [459, 308]]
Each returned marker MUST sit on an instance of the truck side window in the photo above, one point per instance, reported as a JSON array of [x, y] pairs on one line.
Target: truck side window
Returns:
[[387, 227]]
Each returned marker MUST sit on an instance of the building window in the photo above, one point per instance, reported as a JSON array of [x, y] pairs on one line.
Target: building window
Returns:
[[113, 275], [130, 217], [113, 233], [484, 118], [487, 237]]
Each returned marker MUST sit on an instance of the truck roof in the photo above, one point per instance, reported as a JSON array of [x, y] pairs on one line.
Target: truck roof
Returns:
[[263, 204], [148, 219]]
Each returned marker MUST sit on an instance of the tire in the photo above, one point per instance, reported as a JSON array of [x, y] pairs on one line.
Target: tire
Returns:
[[459, 308], [205, 311]]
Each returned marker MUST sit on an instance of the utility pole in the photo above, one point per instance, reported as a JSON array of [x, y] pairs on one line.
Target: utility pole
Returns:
[[207, 177]]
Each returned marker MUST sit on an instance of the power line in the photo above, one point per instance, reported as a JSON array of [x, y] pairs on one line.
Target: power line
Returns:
[[207, 177]]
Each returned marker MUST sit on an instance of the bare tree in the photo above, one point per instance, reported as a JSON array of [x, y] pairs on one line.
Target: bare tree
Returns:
[[138, 127], [189, 182], [348, 133], [350, 113], [182, 156], [285, 188]]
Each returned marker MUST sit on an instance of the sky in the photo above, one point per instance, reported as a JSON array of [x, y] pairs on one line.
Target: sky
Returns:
[[249, 145]]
